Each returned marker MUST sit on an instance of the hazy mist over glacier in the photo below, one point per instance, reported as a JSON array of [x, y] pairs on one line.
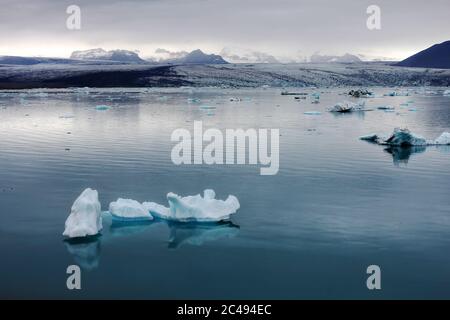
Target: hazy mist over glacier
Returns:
[[285, 29]]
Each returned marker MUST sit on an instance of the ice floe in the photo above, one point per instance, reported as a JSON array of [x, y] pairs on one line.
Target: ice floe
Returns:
[[312, 113], [386, 108], [102, 108], [195, 208], [85, 216], [397, 94], [405, 138], [128, 209]]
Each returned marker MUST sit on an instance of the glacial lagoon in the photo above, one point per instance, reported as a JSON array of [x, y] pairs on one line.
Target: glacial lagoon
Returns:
[[336, 205]]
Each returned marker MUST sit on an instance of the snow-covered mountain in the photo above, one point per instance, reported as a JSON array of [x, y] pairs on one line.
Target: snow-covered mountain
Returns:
[[112, 55], [346, 58], [241, 55], [198, 57]]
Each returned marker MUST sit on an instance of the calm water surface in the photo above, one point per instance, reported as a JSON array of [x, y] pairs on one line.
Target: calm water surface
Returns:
[[336, 206]]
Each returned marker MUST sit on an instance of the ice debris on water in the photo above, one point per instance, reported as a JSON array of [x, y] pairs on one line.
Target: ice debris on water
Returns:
[[128, 209], [85, 216], [312, 113], [193, 100], [195, 208], [344, 107], [102, 107], [361, 93], [396, 94], [405, 138], [385, 108]]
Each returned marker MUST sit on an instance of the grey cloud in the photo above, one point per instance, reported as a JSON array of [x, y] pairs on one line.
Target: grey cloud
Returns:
[[277, 27]]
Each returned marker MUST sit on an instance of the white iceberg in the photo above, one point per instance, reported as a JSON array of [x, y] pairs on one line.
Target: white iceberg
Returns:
[[85, 216], [346, 106], [405, 138], [129, 209], [195, 208], [443, 139]]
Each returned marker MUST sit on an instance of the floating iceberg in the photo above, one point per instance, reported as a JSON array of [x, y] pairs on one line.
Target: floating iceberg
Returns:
[[446, 93], [195, 208], [396, 94], [443, 139], [360, 93], [193, 100], [102, 108], [405, 138], [312, 113], [344, 107], [85, 216], [128, 209], [385, 108]]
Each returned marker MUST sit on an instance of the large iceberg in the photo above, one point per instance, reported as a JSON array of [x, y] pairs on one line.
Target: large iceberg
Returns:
[[85, 216], [129, 209], [195, 208], [405, 138]]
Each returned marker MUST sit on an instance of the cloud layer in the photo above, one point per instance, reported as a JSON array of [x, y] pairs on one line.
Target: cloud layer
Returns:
[[279, 28]]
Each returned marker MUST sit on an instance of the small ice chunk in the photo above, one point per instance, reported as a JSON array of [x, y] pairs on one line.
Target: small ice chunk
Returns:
[[102, 108], [396, 94], [344, 107], [195, 208], [443, 139], [85, 216], [385, 108], [193, 100], [206, 107], [373, 137], [312, 113], [360, 93], [129, 209]]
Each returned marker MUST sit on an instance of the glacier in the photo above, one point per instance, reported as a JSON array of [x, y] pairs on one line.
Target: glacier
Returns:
[[85, 216], [195, 208], [128, 209]]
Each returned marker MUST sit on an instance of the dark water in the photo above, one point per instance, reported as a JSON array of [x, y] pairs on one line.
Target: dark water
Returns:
[[336, 206]]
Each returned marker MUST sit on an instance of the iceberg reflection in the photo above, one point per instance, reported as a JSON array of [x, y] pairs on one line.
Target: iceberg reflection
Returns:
[[85, 251], [400, 155], [199, 233]]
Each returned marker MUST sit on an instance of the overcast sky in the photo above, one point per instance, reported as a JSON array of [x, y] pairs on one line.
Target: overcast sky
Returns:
[[284, 28]]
